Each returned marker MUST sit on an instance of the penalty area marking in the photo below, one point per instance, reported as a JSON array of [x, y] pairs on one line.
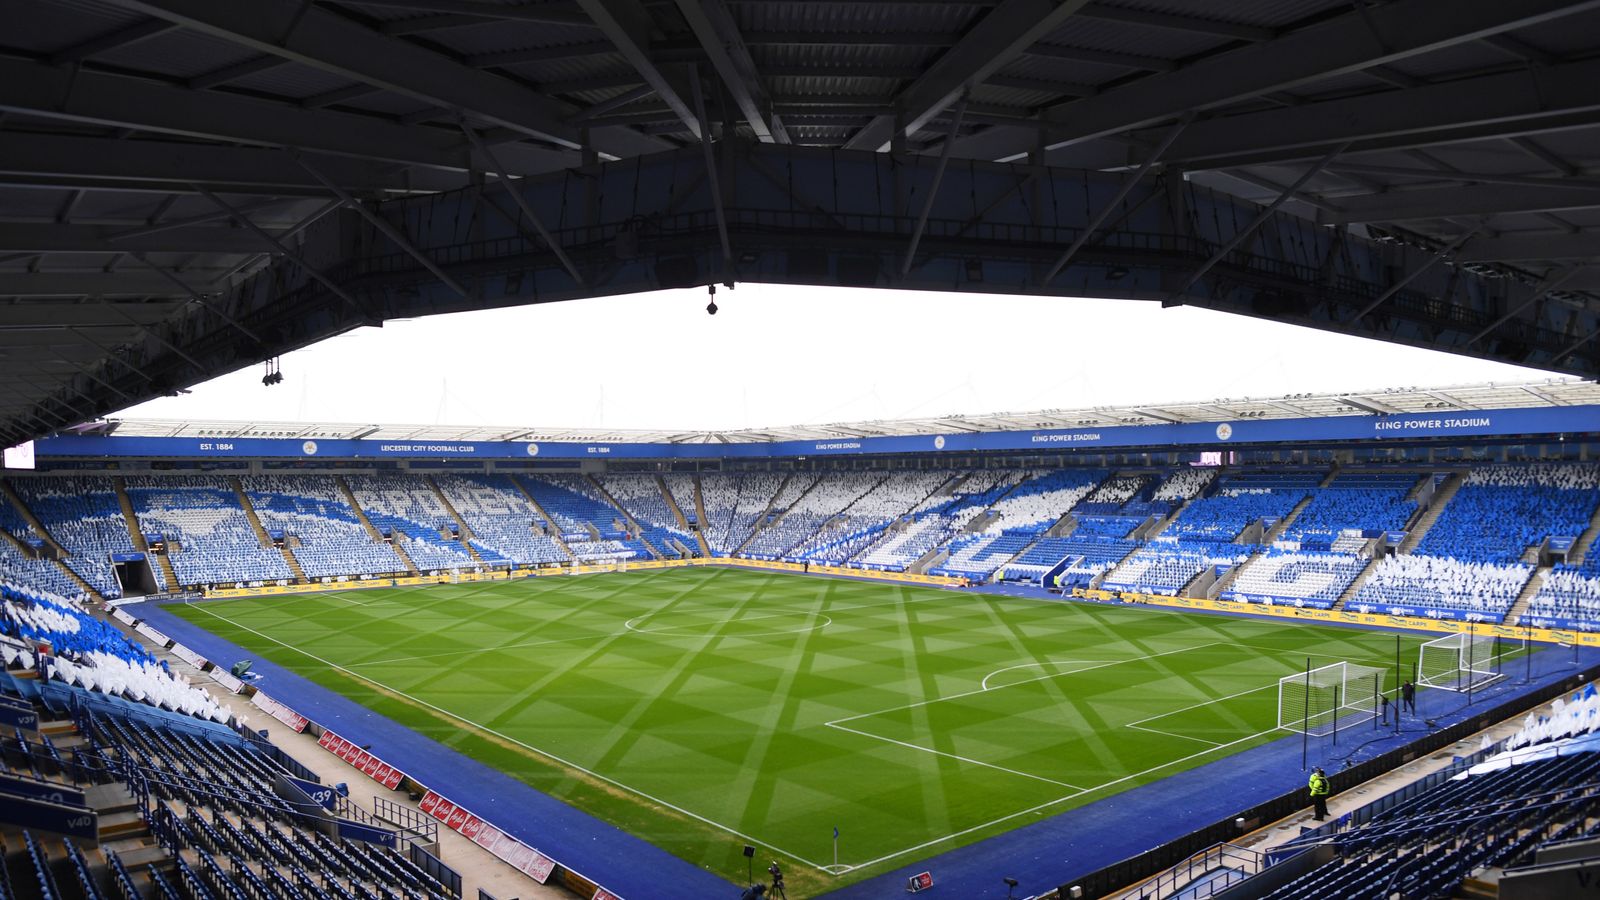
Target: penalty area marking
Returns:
[[1139, 724], [984, 685], [529, 747]]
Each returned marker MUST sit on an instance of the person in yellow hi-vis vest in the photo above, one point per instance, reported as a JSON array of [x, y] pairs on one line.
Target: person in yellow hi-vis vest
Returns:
[[1319, 793]]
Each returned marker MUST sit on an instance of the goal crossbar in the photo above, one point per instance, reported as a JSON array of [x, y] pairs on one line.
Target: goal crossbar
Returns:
[[1322, 700], [1459, 662]]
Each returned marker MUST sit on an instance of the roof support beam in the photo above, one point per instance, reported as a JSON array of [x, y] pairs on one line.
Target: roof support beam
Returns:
[[230, 73], [1476, 200], [522, 203], [387, 228], [85, 284], [100, 99], [1175, 22], [532, 12], [277, 244], [198, 297], [1550, 282], [71, 159], [713, 179], [933, 189], [999, 38], [719, 36], [329, 42], [626, 24], [1350, 43], [1240, 236], [1128, 182], [1412, 275], [120, 38], [96, 239], [1504, 101]]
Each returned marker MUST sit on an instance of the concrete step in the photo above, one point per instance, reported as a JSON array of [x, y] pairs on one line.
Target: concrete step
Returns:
[[121, 824]]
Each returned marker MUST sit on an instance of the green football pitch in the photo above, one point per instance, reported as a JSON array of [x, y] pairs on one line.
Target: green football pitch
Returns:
[[705, 708]]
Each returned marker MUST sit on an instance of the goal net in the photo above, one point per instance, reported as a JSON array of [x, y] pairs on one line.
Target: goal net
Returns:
[[1459, 662], [1323, 700]]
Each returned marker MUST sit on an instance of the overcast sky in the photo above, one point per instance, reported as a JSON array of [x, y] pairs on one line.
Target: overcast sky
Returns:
[[780, 355]]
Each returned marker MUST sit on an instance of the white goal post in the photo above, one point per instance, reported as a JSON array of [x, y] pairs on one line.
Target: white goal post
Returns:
[[1323, 700], [1459, 662]]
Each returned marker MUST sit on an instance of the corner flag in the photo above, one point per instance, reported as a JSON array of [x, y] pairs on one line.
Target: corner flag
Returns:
[[836, 846]]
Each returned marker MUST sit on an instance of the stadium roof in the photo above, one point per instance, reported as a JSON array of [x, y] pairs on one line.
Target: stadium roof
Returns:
[[155, 153], [1553, 392]]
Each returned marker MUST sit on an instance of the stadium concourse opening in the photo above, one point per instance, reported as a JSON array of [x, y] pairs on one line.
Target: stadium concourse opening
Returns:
[[610, 663]]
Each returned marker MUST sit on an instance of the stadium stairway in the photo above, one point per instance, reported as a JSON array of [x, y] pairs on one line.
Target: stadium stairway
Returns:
[[261, 531], [1436, 505], [1284, 523], [1526, 595], [764, 514], [7, 495], [372, 531], [683, 520], [131, 519], [766, 524], [1063, 527], [10, 496], [1166, 523], [1581, 547], [249, 512], [466, 531], [1356, 583], [555, 532], [932, 558], [634, 528], [1221, 584], [700, 518]]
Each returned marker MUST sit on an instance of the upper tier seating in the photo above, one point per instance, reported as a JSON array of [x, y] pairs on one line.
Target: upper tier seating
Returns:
[[202, 514], [864, 521], [1501, 511], [941, 516], [19, 567], [593, 529], [1359, 502], [1282, 575], [406, 508], [500, 519], [682, 489], [1239, 501], [1165, 565], [332, 541], [641, 496], [1107, 526], [734, 503], [84, 516], [1184, 483], [825, 497], [1483, 590], [1114, 492], [1041, 501]]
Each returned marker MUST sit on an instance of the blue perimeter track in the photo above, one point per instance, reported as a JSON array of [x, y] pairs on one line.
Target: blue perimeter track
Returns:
[[1041, 856]]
